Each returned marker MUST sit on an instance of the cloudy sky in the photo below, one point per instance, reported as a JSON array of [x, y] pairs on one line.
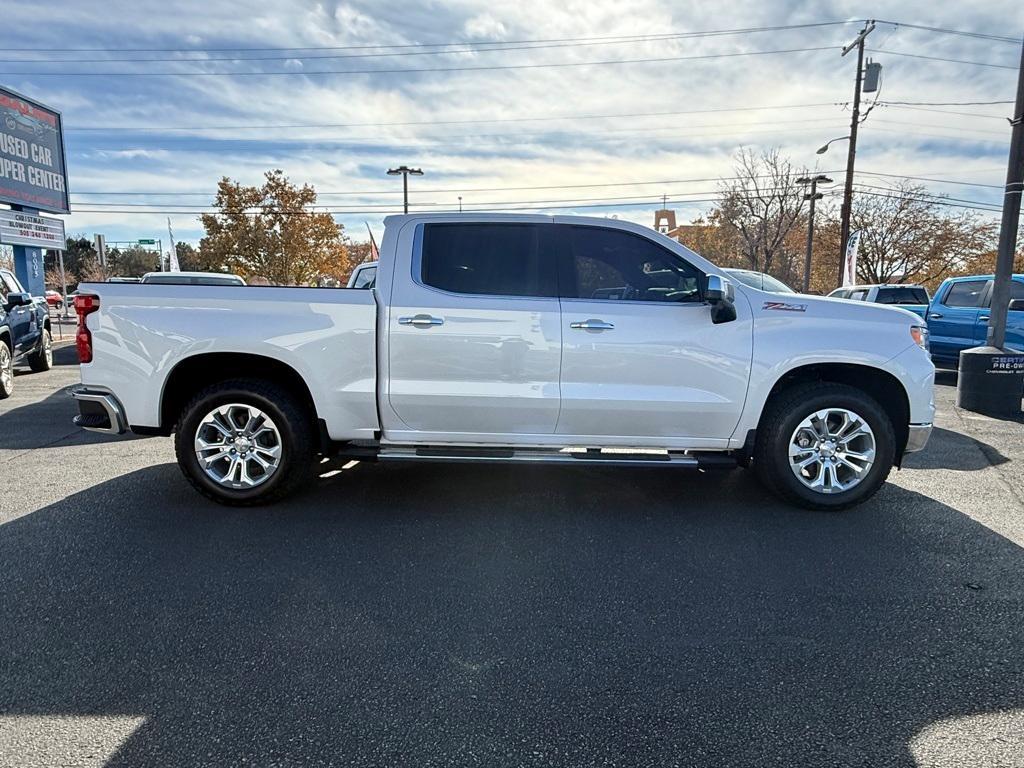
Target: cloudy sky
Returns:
[[597, 107]]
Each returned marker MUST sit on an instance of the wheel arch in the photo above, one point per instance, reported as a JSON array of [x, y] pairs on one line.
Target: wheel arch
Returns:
[[193, 373], [876, 382]]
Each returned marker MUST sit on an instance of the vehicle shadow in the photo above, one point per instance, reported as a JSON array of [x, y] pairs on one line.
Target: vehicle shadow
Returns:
[[48, 421], [415, 615], [954, 450]]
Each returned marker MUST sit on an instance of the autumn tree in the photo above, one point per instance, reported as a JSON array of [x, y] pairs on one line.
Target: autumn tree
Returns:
[[761, 208], [906, 236], [134, 261], [272, 232]]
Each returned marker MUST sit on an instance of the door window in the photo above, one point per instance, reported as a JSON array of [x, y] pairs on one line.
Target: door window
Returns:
[[10, 283], [612, 265], [366, 278], [859, 295], [487, 259], [965, 294]]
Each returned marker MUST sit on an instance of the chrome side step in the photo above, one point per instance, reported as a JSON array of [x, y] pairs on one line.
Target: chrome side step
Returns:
[[592, 457]]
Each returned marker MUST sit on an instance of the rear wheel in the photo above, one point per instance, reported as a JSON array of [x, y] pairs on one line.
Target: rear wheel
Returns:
[[42, 358], [245, 442], [824, 446], [6, 370]]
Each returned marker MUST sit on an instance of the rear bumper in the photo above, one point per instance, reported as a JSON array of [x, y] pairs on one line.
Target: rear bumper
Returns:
[[99, 411], [917, 437]]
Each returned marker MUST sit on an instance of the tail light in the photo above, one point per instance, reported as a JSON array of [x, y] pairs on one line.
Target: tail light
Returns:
[[85, 305]]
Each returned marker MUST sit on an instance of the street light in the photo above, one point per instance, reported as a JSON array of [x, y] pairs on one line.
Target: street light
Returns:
[[824, 147], [814, 195], [405, 172]]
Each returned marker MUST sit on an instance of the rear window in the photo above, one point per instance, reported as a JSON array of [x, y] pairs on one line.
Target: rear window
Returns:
[[965, 294], [487, 259], [904, 294]]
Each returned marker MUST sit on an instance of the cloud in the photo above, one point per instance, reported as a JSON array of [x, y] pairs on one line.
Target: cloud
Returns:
[[181, 133]]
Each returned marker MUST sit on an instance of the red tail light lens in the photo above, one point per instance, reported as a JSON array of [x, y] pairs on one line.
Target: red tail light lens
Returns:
[[85, 305]]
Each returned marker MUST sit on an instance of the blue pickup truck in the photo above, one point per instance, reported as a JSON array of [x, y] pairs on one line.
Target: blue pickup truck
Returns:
[[24, 331], [958, 316]]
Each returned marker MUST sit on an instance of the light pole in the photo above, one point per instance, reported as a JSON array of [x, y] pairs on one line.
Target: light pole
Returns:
[[814, 195], [824, 147], [405, 172]]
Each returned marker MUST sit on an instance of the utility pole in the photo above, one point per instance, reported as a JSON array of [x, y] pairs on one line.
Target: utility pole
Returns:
[[844, 229], [405, 173], [814, 195], [977, 388]]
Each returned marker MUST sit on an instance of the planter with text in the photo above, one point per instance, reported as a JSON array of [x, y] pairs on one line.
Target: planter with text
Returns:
[[991, 381]]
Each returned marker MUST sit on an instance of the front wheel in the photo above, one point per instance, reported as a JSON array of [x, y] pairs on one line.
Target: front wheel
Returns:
[[824, 446], [245, 442]]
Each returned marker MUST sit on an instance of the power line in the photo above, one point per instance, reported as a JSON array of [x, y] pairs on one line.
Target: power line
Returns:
[[943, 103], [488, 68], [700, 33], [476, 121], [941, 58], [960, 32], [469, 47]]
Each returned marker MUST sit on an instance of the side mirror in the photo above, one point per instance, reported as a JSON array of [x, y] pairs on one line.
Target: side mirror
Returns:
[[18, 299], [1016, 305], [719, 294]]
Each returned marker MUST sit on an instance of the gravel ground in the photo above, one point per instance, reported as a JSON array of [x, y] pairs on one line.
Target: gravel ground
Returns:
[[524, 616]]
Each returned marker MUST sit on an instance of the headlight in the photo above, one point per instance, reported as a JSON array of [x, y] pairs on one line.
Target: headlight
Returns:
[[920, 336]]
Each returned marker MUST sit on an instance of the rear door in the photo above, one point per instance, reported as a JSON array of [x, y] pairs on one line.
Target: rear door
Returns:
[[953, 317], [474, 342], [642, 362]]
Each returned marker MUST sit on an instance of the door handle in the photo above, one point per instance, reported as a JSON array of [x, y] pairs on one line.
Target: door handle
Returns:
[[935, 315], [592, 325], [420, 321], [983, 319]]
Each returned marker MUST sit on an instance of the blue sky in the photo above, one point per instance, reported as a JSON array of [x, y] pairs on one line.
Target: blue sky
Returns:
[[179, 130]]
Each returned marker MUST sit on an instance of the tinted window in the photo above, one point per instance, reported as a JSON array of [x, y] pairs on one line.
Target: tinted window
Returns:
[[366, 278], [965, 294], [902, 295], [615, 265], [1016, 290], [488, 259]]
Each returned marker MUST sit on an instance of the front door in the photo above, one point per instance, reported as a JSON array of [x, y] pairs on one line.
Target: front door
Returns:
[[642, 362], [474, 330], [953, 318]]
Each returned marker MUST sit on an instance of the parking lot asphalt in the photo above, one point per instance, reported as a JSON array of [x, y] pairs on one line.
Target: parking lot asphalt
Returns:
[[458, 615]]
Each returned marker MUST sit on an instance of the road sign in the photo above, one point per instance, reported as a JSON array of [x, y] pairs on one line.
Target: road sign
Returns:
[[147, 242]]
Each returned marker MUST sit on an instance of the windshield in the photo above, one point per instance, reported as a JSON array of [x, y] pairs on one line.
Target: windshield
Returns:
[[759, 280]]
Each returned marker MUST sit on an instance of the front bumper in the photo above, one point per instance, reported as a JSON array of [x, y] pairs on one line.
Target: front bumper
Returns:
[[99, 411], [917, 437]]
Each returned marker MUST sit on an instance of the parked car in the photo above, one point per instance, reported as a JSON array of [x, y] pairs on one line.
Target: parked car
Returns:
[[759, 280], [959, 312], [24, 331], [192, 278], [913, 298], [54, 299], [518, 338], [364, 276]]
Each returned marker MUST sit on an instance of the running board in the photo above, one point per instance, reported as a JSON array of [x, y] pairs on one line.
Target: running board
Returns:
[[591, 457]]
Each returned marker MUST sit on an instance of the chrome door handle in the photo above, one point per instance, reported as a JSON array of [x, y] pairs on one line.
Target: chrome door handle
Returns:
[[592, 325], [983, 319], [420, 321], [935, 315]]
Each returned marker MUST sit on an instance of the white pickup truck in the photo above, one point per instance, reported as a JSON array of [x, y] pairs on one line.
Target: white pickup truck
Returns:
[[511, 338]]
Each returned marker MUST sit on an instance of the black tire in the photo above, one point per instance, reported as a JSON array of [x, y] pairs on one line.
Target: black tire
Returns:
[[295, 426], [783, 415], [6, 369], [41, 359]]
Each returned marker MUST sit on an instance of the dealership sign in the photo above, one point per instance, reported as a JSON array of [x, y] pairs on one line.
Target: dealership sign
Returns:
[[18, 228], [32, 168]]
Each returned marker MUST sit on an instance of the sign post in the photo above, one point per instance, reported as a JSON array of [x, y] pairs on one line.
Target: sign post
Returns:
[[33, 178]]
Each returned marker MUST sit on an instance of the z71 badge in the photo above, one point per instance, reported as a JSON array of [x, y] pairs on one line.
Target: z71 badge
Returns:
[[783, 306]]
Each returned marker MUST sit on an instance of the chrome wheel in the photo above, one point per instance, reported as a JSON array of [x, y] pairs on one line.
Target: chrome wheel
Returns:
[[832, 450], [48, 348], [238, 446], [6, 368]]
